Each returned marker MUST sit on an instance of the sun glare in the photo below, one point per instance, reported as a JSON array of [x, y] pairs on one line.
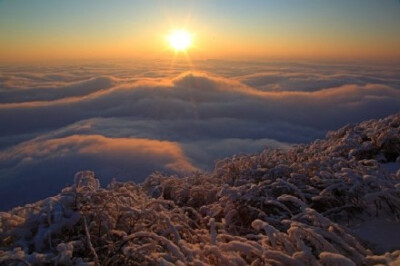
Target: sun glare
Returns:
[[180, 40]]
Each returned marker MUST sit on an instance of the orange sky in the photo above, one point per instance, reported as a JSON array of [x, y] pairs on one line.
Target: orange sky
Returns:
[[48, 30]]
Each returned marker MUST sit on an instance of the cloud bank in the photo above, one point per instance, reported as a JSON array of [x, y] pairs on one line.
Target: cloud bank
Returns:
[[125, 121]]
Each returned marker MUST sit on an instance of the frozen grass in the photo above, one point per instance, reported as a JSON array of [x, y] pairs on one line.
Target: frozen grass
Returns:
[[292, 207]]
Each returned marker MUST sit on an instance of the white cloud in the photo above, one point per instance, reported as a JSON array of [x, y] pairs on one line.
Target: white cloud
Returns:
[[52, 115]]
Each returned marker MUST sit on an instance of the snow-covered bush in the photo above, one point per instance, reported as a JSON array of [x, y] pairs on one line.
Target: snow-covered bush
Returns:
[[280, 207]]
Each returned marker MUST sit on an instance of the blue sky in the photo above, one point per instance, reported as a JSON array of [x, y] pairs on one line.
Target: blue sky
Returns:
[[359, 28]]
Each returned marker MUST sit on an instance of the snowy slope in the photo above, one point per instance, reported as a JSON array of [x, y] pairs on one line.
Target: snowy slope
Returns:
[[332, 202]]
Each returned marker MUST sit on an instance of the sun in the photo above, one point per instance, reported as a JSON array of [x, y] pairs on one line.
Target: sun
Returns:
[[180, 40]]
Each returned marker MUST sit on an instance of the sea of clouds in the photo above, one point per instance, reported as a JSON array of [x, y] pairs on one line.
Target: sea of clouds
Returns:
[[125, 120]]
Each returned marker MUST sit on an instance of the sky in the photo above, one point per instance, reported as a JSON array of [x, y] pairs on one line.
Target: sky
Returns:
[[95, 85], [46, 30]]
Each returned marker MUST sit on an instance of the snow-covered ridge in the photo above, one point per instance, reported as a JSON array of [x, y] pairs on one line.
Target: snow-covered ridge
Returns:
[[309, 205]]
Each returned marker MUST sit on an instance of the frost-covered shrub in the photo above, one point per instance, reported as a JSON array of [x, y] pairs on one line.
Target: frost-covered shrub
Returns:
[[280, 207]]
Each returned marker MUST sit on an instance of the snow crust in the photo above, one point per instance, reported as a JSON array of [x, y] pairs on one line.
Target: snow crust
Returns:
[[308, 205]]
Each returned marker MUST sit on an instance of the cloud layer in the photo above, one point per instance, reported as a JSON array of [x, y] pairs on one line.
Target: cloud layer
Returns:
[[126, 121]]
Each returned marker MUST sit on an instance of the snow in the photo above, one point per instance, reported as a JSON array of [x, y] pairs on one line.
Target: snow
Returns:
[[382, 234], [332, 202], [392, 167], [332, 259]]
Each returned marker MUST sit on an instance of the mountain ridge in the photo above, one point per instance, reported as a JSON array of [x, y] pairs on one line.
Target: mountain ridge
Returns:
[[308, 205]]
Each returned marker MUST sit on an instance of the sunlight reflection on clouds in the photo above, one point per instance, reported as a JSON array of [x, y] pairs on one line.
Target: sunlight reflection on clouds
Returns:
[[145, 117]]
